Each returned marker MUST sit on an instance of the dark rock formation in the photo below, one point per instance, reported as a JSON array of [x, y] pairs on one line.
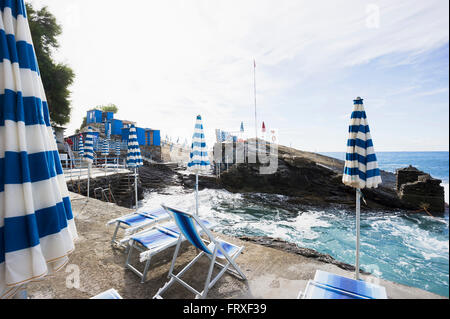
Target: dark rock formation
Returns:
[[408, 174], [419, 190], [310, 179]]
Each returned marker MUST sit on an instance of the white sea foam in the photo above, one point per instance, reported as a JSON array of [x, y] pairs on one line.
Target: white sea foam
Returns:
[[446, 189], [404, 247]]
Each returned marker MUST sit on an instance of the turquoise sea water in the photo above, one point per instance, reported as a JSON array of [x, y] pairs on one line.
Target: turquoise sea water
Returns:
[[409, 249], [434, 163]]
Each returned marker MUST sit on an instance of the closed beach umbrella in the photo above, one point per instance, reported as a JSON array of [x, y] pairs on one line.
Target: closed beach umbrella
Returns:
[[89, 154], [80, 146], [37, 229], [361, 167], [198, 158], [117, 150], [105, 150], [105, 147], [134, 158], [242, 127]]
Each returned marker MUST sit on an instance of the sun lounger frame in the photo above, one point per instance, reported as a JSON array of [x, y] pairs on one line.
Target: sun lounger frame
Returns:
[[236, 271], [132, 229]]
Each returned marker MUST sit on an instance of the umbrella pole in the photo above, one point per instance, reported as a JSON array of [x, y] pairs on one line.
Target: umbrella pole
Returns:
[[196, 194], [358, 207], [89, 177], [135, 183]]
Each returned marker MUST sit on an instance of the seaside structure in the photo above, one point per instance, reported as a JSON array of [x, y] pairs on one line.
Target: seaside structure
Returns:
[[420, 190], [104, 124]]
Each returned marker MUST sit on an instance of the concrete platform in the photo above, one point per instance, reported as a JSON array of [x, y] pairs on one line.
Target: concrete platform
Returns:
[[271, 273], [76, 174]]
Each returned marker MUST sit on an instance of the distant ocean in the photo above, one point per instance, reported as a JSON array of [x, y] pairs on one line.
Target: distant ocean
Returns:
[[433, 163], [411, 249]]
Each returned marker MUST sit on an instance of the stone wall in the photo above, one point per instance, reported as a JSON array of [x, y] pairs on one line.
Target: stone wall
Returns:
[[408, 174], [419, 190], [121, 185], [152, 151]]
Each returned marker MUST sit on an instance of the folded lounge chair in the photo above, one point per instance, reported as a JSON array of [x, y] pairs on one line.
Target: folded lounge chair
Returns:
[[217, 248], [152, 241], [136, 221], [330, 286]]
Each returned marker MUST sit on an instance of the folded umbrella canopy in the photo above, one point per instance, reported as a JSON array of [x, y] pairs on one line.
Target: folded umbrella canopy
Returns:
[[199, 160], [105, 147], [37, 229], [117, 148], [361, 167], [80, 146], [89, 154], [134, 158]]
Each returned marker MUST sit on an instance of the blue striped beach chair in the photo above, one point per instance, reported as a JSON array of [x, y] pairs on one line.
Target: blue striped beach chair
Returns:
[[133, 222], [152, 241], [108, 294], [189, 226], [330, 286]]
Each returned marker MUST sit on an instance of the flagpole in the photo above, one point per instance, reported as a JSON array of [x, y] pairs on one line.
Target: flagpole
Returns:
[[254, 86]]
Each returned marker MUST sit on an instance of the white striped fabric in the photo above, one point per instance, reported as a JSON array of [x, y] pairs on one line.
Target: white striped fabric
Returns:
[[361, 166], [199, 160], [105, 147], [80, 145], [37, 229], [117, 148], [134, 158], [89, 146]]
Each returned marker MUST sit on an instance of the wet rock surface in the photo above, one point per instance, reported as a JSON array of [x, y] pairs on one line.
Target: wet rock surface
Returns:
[[419, 190], [309, 179], [294, 249], [304, 178]]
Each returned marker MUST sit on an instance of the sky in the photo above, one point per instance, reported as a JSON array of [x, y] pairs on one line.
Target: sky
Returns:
[[164, 62]]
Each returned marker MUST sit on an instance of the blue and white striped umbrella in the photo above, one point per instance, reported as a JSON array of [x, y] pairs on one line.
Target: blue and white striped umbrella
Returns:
[[89, 146], [117, 148], [361, 167], [37, 229], [105, 147], [80, 145], [198, 158], [134, 158]]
